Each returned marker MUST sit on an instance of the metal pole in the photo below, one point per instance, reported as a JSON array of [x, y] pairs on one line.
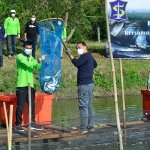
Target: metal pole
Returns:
[[123, 99], [114, 80], [29, 108]]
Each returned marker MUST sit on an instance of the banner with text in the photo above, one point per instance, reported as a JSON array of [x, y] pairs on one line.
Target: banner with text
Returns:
[[129, 22]]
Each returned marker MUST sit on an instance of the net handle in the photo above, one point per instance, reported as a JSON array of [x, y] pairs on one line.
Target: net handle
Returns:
[[65, 45]]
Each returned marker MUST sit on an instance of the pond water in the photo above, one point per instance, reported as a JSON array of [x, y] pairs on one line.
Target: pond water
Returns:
[[66, 113]]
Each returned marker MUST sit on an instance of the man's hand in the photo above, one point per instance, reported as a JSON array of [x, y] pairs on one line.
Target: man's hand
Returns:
[[41, 58], [68, 52], [18, 36], [5, 35], [64, 40]]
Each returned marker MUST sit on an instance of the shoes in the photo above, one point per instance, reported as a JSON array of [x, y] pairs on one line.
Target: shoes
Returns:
[[90, 128], [84, 131], [34, 126], [15, 56], [9, 56], [19, 128]]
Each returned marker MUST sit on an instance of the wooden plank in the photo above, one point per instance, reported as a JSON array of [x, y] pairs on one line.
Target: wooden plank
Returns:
[[47, 136], [25, 133], [58, 132], [57, 128], [3, 131], [35, 133], [129, 123]]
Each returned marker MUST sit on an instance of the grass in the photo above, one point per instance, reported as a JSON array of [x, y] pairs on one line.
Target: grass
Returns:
[[135, 74]]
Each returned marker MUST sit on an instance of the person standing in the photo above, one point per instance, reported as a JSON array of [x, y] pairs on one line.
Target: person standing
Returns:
[[31, 33], [2, 33], [12, 30], [25, 65], [85, 65]]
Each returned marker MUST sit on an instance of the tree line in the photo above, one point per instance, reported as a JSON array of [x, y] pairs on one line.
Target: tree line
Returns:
[[81, 17]]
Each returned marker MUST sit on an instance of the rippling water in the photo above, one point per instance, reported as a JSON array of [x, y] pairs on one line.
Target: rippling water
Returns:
[[66, 113]]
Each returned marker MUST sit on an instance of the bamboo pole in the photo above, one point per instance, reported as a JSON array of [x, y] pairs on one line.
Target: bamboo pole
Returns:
[[114, 81], [10, 125], [29, 107], [123, 99], [6, 120]]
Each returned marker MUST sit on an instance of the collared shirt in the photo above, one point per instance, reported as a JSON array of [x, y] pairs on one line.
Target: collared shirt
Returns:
[[12, 26], [25, 66]]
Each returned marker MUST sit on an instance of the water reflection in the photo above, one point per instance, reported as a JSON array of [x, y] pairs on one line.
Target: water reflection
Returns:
[[104, 109], [66, 113]]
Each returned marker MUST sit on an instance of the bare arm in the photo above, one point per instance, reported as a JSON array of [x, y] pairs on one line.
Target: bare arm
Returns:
[[25, 36]]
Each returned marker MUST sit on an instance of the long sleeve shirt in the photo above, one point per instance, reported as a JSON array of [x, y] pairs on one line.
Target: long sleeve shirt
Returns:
[[2, 33], [12, 26], [86, 65], [31, 29], [25, 66]]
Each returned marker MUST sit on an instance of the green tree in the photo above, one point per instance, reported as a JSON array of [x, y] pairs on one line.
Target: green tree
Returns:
[[74, 13]]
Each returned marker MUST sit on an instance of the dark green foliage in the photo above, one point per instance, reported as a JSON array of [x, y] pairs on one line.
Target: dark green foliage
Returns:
[[77, 14]]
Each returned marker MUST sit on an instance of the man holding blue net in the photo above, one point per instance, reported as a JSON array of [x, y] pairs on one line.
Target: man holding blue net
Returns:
[[86, 65], [25, 66]]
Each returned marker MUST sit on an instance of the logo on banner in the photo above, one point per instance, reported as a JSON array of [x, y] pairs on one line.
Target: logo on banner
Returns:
[[118, 10]]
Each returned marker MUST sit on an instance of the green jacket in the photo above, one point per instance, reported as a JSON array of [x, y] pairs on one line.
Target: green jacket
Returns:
[[64, 33], [12, 27], [25, 66]]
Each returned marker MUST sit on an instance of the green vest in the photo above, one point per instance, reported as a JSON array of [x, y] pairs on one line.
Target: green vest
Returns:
[[25, 66]]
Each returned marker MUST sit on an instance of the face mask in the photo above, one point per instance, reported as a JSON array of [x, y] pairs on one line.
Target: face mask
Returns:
[[80, 51], [27, 51], [13, 15], [32, 19]]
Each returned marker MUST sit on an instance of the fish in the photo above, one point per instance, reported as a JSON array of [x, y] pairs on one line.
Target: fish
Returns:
[[116, 28], [141, 41], [51, 83]]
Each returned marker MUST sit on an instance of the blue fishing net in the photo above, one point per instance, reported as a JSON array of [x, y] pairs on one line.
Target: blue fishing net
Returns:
[[50, 32]]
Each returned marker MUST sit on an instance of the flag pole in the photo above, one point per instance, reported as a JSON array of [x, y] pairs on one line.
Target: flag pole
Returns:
[[114, 80]]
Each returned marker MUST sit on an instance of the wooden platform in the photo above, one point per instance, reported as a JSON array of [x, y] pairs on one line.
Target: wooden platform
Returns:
[[55, 132]]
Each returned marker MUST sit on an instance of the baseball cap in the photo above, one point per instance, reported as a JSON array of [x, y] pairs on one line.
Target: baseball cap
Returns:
[[13, 11]]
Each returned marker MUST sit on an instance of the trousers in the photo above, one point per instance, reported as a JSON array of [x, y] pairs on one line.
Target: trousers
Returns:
[[11, 41], [33, 41], [1, 54], [22, 98], [85, 93]]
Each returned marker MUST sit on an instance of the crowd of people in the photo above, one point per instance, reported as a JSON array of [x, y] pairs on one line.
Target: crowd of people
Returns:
[[10, 32], [27, 62]]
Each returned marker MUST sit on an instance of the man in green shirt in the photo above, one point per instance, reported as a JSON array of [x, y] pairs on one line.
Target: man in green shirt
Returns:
[[25, 65], [12, 30]]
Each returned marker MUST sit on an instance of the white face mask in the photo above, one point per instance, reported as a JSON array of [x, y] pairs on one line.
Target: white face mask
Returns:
[[13, 15], [32, 19], [28, 51], [80, 51]]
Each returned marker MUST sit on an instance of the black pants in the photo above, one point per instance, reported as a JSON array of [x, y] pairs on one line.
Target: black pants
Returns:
[[22, 97]]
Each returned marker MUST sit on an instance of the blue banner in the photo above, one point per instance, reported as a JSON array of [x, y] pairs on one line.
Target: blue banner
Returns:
[[129, 22]]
